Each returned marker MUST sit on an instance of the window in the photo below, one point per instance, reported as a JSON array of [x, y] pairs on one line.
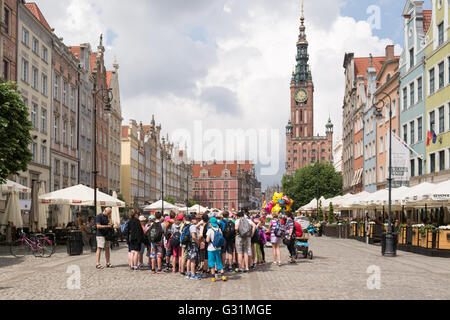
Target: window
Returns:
[[448, 71], [381, 178], [35, 78], [411, 94], [441, 33], [24, 70], [432, 120], [413, 168], [441, 120], [431, 81], [64, 133], [405, 99], [64, 100], [56, 129], [405, 133], [211, 194], [5, 70], [441, 160], [34, 150], [72, 98], [56, 91], [6, 20], [412, 131], [72, 141], [43, 155], [419, 89], [34, 116], [411, 58], [225, 195], [419, 167], [44, 120], [44, 54], [65, 169], [57, 167], [432, 163], [419, 129], [25, 37], [35, 46], [72, 172], [441, 75]]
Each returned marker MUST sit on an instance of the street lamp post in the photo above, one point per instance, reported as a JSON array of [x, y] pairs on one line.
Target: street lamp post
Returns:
[[106, 97], [389, 252]]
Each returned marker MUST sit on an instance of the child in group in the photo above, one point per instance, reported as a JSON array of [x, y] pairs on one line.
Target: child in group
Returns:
[[214, 254]]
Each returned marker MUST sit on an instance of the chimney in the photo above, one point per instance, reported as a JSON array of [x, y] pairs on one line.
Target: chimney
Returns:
[[389, 52]]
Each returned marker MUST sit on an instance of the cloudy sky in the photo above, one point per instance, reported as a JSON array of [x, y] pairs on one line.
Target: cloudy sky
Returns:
[[211, 70]]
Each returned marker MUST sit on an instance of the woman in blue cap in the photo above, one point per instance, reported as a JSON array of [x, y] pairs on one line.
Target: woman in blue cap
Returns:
[[214, 254]]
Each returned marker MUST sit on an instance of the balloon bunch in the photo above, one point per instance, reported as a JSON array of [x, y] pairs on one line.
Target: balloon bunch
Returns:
[[279, 204]]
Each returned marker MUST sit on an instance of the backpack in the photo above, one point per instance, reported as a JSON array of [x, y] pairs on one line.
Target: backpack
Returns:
[[175, 240], [168, 233], [298, 230], [278, 230], [186, 235], [124, 228], [219, 240], [229, 232], [245, 229], [155, 233], [261, 237]]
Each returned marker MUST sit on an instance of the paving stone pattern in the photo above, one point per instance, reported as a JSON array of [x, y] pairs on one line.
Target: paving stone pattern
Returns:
[[338, 271]]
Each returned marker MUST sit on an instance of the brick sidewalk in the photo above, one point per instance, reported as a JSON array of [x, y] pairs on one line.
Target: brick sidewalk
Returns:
[[338, 271]]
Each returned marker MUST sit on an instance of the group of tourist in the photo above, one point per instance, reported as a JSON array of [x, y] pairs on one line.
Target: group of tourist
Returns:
[[195, 245]]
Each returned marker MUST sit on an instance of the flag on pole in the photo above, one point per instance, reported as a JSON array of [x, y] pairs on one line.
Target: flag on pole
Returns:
[[431, 136]]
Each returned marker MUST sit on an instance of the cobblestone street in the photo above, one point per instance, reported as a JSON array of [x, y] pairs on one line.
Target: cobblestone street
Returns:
[[338, 271]]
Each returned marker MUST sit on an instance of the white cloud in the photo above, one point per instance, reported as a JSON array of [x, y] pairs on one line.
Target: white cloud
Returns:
[[247, 50]]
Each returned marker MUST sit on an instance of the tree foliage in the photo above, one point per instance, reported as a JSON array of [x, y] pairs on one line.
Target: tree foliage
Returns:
[[15, 127], [170, 200], [302, 186], [331, 214]]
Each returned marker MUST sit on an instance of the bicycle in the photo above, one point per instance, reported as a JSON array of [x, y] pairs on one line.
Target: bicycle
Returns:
[[39, 245]]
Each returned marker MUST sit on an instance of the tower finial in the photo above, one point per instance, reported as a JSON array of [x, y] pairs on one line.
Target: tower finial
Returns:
[[303, 16]]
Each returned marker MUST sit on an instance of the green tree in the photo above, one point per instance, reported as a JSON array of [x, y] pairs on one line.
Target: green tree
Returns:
[[170, 200], [15, 127], [191, 203], [302, 186], [320, 215], [331, 214]]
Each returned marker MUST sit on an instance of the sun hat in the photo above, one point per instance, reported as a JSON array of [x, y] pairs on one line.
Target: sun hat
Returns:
[[142, 218], [152, 217], [213, 222]]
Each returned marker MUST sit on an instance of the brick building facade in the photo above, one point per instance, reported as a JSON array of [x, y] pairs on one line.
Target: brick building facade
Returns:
[[303, 147]]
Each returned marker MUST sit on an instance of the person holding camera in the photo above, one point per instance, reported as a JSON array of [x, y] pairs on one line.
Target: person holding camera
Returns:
[[104, 227]]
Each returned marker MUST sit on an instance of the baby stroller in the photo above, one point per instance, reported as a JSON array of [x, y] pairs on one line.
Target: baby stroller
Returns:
[[302, 243]]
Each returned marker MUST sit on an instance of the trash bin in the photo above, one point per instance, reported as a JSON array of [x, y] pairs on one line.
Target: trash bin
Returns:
[[75, 243], [383, 242]]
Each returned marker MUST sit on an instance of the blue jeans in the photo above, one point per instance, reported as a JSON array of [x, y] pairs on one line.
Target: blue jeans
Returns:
[[215, 259]]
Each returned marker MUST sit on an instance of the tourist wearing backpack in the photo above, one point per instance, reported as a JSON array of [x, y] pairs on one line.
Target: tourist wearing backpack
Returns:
[[175, 243], [275, 230], [215, 240], [245, 229], [290, 237], [167, 228], [155, 236], [134, 237], [189, 238], [203, 251], [229, 233]]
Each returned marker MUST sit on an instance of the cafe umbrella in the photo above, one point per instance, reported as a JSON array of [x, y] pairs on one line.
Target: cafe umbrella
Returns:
[[43, 210], [12, 211]]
